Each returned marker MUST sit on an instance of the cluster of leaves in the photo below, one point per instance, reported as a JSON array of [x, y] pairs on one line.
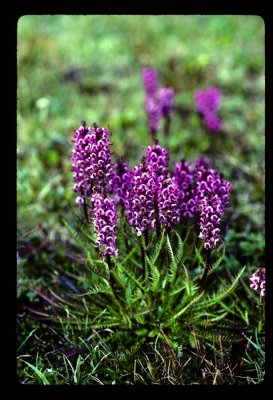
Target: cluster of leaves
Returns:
[[156, 288]]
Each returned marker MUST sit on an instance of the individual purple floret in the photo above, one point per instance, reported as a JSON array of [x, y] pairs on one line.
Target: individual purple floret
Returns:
[[208, 103], [166, 101], [104, 218], [149, 76], [121, 181], [91, 161], [140, 202], [184, 180], [257, 281]]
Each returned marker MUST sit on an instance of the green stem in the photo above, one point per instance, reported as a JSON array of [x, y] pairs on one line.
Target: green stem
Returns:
[[206, 268], [112, 278]]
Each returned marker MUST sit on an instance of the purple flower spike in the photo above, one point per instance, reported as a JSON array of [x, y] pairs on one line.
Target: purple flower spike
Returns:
[[139, 205], [159, 102], [257, 281], [208, 181], [208, 103], [91, 161], [153, 111], [166, 101], [168, 200], [212, 197], [184, 180], [157, 159], [149, 76], [210, 221], [105, 222], [213, 123], [121, 181], [208, 99]]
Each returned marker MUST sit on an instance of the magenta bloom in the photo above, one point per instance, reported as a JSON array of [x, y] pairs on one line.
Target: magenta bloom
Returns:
[[104, 218], [211, 197], [140, 202], [257, 281], [91, 161], [208, 103], [166, 193], [184, 180], [168, 197]]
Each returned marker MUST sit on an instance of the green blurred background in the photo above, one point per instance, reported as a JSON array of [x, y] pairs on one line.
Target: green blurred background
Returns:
[[74, 68]]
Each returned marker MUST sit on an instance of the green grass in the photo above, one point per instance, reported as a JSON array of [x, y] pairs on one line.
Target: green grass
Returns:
[[72, 68]]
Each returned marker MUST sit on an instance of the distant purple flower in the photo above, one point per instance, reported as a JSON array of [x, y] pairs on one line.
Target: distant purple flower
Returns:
[[166, 101], [159, 102], [140, 202], [153, 111], [257, 281], [104, 217], [149, 76], [208, 99], [91, 161], [121, 181], [208, 103], [213, 123], [184, 180]]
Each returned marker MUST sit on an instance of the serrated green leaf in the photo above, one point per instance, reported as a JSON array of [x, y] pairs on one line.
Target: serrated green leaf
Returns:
[[220, 295], [173, 264], [217, 262]]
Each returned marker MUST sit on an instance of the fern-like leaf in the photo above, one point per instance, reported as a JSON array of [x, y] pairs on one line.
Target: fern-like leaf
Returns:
[[201, 260], [158, 248], [154, 275], [217, 262], [220, 295], [180, 251], [173, 263]]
